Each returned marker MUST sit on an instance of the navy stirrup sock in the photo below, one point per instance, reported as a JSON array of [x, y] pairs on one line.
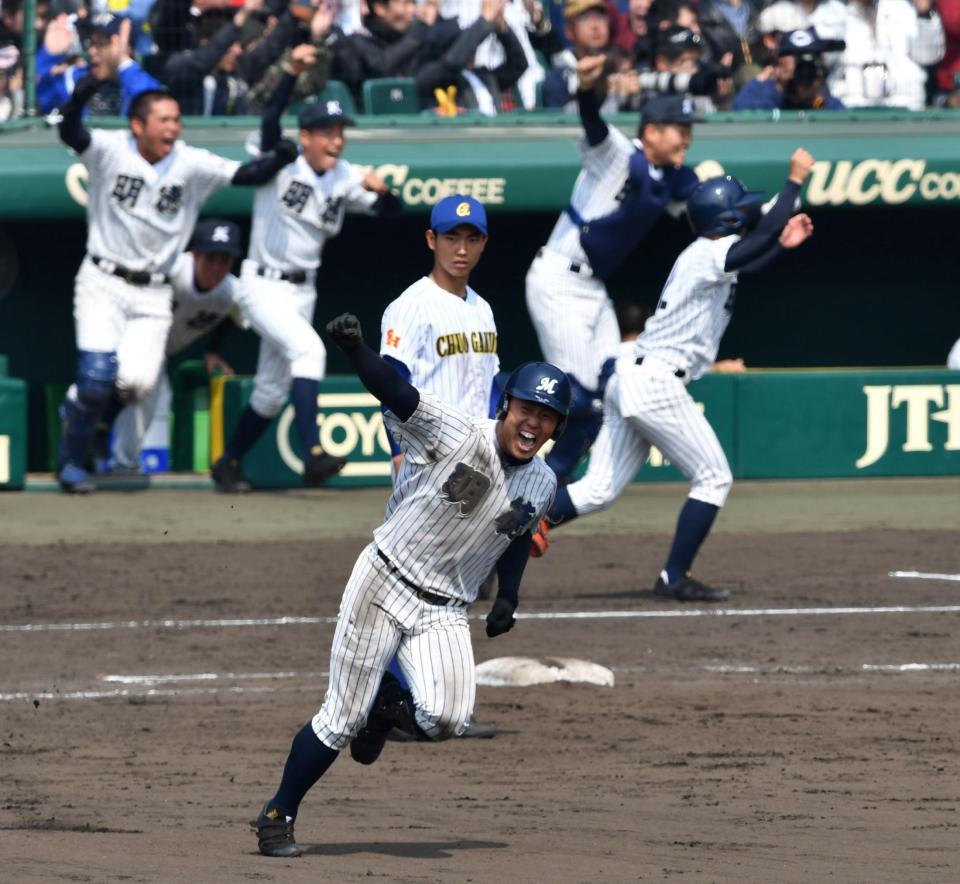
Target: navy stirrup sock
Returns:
[[303, 393], [250, 428], [307, 762], [693, 525]]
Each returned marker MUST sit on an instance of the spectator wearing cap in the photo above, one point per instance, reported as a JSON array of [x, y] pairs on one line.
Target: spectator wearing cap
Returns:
[[213, 79], [457, 80], [797, 80], [889, 45], [588, 31], [393, 43], [108, 48]]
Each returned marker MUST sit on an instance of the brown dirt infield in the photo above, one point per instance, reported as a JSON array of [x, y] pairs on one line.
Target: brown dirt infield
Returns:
[[753, 746]]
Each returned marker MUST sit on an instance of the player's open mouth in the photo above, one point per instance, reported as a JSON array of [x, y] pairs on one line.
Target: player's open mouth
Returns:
[[527, 441]]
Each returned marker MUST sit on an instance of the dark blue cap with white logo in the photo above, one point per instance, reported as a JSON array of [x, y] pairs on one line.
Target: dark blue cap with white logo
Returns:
[[452, 211], [106, 23], [214, 235], [323, 115], [667, 109]]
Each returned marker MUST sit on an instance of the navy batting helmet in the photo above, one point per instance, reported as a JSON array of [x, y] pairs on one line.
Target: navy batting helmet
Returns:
[[723, 205], [538, 382]]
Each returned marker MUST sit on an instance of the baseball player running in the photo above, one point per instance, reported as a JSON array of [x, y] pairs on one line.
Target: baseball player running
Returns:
[[293, 217], [468, 493], [623, 188], [647, 402], [144, 192], [204, 294]]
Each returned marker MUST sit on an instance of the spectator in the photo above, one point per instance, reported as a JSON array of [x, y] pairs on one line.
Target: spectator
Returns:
[[214, 78], [633, 32], [889, 42], [528, 22], [59, 65], [948, 70], [726, 26], [796, 81], [311, 62], [11, 22], [588, 31], [392, 43], [11, 83], [456, 80]]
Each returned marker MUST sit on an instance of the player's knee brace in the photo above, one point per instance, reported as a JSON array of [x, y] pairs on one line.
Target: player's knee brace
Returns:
[[96, 376]]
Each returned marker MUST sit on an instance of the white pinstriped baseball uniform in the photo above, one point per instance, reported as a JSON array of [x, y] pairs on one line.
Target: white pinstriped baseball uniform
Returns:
[[454, 511], [194, 314], [648, 404], [140, 217], [294, 214], [574, 318], [449, 343]]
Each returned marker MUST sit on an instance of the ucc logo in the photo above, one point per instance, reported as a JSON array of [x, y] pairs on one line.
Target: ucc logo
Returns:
[[919, 399]]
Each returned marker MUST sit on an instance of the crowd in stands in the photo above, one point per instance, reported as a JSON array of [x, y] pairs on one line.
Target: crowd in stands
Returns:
[[224, 57]]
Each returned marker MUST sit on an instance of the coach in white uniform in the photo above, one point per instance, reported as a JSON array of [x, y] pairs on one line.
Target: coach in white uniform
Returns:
[[647, 402], [293, 217], [145, 188], [204, 295], [468, 494], [624, 187]]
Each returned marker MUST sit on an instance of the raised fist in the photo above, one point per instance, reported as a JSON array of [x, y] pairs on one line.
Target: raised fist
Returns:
[[800, 165], [345, 331], [500, 619]]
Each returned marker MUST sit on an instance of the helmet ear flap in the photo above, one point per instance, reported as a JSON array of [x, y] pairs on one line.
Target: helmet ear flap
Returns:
[[503, 406]]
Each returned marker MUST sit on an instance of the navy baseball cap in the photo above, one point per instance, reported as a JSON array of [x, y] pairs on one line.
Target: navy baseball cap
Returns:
[[214, 235], [452, 211], [667, 109], [323, 114], [106, 23], [806, 41]]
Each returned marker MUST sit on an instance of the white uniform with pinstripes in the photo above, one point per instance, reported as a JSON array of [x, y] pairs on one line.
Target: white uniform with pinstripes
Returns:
[[443, 541], [194, 314], [648, 404], [574, 318], [449, 344], [294, 214], [139, 216]]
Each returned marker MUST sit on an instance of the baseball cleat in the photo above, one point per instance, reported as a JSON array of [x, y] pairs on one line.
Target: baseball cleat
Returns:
[[478, 730], [275, 833], [686, 589], [229, 478], [75, 480], [320, 467], [540, 539]]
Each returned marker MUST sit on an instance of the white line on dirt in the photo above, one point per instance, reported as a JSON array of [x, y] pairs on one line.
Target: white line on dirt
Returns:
[[528, 615], [206, 676], [921, 575]]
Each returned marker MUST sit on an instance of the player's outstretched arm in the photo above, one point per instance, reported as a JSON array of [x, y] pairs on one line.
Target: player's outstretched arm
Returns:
[[375, 373], [762, 245], [589, 70], [259, 171], [72, 131], [509, 573]]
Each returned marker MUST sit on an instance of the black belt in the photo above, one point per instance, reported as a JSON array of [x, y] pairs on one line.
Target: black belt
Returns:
[[134, 277], [573, 267], [294, 276], [430, 598], [677, 372]]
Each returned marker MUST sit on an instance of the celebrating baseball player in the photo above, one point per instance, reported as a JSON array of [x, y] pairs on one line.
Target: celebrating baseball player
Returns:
[[144, 192], [293, 217], [467, 495], [646, 401], [204, 294], [623, 188]]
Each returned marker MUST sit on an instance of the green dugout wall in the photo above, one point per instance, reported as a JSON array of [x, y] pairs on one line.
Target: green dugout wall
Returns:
[[772, 425], [877, 285]]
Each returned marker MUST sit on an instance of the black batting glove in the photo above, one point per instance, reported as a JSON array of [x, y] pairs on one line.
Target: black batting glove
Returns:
[[345, 331], [500, 619]]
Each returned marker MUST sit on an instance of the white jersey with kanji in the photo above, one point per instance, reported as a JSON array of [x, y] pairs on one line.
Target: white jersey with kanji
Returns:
[[449, 344], [605, 169], [194, 312], [694, 309], [456, 504], [297, 211], [140, 215]]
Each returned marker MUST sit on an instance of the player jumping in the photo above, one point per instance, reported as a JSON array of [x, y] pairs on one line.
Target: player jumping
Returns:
[[468, 494], [647, 402]]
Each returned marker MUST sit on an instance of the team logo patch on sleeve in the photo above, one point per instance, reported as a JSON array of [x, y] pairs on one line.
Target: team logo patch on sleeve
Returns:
[[392, 339], [515, 520]]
